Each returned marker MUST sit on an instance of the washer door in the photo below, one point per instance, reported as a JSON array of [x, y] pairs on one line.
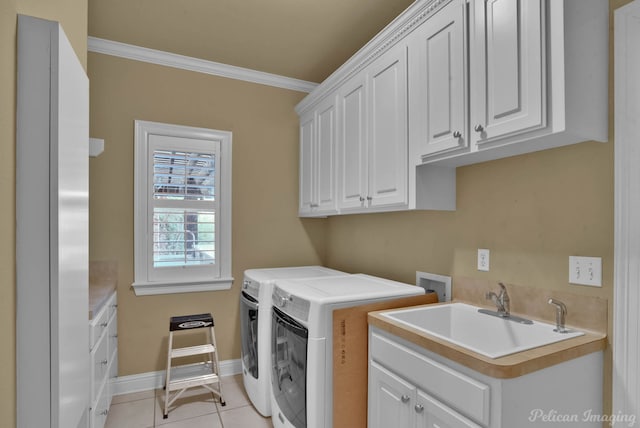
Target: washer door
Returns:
[[289, 367], [249, 333]]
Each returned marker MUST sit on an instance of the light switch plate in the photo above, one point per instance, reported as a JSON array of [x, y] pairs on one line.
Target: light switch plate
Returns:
[[483, 259], [585, 271]]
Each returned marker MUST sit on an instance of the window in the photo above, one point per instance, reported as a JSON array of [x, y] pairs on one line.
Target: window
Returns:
[[182, 209]]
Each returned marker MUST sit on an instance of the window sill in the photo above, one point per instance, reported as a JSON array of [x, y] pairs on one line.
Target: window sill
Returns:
[[153, 288]]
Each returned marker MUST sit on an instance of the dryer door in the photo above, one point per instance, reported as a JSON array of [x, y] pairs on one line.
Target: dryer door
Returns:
[[289, 367], [249, 333]]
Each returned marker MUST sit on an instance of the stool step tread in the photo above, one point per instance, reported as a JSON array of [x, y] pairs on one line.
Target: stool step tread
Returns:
[[193, 381], [192, 350]]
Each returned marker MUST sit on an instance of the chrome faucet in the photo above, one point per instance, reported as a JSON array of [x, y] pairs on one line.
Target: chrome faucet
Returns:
[[501, 300], [561, 313]]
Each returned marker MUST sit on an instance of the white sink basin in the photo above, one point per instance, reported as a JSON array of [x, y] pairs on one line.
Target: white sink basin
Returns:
[[491, 336]]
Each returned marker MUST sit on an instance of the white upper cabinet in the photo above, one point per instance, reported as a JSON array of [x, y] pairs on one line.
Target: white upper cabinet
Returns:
[[318, 135], [507, 75], [388, 141], [307, 167], [450, 83], [537, 73], [353, 148], [438, 82], [372, 142]]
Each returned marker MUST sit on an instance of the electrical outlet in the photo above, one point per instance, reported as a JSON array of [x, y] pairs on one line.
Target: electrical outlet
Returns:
[[483, 259], [585, 271]]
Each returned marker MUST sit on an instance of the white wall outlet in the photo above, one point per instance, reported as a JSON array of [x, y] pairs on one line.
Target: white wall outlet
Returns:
[[483, 259], [585, 271]]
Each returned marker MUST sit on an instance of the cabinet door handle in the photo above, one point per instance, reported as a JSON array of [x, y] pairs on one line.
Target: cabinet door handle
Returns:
[[361, 199], [314, 205], [478, 128], [404, 398], [369, 198], [419, 408], [104, 324], [457, 134], [104, 362]]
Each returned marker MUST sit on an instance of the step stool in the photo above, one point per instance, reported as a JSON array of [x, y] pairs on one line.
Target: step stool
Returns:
[[205, 374]]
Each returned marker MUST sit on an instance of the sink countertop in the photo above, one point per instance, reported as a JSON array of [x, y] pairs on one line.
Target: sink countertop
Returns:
[[103, 279], [509, 366]]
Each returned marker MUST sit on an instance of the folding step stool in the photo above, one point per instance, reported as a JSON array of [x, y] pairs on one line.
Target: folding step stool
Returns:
[[205, 374]]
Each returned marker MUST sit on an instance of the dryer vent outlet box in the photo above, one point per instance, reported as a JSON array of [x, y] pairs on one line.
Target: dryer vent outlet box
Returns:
[[439, 284]]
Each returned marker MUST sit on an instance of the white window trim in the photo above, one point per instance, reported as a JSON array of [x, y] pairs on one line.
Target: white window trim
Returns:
[[142, 285]]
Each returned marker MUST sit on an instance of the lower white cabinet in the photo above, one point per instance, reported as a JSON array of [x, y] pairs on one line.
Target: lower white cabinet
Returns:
[[103, 333], [394, 402], [411, 387]]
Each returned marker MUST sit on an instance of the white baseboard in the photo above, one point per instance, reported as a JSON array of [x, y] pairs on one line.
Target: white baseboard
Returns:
[[154, 380]]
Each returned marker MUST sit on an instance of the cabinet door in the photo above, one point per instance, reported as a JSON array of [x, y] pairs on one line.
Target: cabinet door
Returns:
[[325, 191], [437, 82], [390, 399], [508, 68], [352, 146], [430, 413], [388, 140], [307, 167]]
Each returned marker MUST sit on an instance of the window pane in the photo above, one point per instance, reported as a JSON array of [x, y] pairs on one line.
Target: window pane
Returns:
[[183, 237], [182, 175]]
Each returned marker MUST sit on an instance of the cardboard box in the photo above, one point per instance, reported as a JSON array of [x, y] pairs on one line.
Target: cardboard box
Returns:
[[351, 359]]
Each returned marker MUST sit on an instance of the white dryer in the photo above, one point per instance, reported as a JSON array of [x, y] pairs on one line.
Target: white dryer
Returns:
[[255, 327], [302, 342]]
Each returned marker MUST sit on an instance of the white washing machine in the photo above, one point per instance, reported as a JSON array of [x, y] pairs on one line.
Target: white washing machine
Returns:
[[255, 327], [302, 342]]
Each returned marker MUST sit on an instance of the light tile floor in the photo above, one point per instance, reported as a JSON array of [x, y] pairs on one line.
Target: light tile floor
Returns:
[[196, 408]]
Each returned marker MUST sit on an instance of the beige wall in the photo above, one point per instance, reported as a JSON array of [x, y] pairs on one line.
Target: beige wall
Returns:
[[72, 14], [266, 229], [531, 211]]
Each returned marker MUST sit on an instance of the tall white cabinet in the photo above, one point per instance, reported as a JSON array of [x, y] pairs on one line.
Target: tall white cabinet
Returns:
[[52, 230]]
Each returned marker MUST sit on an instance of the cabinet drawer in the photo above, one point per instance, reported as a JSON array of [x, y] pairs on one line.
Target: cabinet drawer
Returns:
[[112, 334], [99, 367], [462, 393], [97, 326], [98, 413], [112, 305], [436, 414]]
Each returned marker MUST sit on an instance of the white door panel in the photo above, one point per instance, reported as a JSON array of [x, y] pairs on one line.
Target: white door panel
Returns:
[[352, 157], [388, 143], [509, 72]]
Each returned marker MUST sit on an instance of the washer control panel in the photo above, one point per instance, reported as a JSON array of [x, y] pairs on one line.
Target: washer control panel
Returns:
[[290, 304]]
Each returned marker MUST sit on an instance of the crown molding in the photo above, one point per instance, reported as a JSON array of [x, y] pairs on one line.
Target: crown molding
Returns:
[[167, 59], [393, 33]]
